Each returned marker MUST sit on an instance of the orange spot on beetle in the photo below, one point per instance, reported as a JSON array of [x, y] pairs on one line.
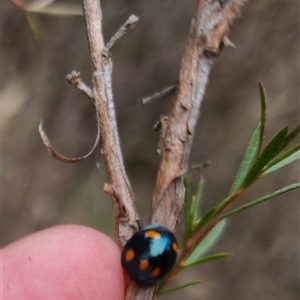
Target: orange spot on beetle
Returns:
[[143, 265], [156, 272], [175, 247], [129, 255], [152, 234]]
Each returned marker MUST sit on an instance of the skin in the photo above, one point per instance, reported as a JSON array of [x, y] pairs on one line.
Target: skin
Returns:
[[66, 262]]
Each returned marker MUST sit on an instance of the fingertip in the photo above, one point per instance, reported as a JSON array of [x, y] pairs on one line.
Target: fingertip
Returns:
[[63, 262]]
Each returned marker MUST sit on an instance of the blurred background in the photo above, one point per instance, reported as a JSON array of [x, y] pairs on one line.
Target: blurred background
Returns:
[[38, 192]]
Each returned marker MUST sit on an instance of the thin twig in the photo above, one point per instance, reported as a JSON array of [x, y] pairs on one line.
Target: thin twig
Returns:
[[201, 166], [160, 94], [130, 23]]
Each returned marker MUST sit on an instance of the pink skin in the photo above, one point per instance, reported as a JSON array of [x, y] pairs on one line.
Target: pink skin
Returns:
[[66, 262]]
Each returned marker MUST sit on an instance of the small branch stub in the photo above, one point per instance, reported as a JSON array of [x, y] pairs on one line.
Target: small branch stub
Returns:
[[129, 24], [74, 79], [159, 95]]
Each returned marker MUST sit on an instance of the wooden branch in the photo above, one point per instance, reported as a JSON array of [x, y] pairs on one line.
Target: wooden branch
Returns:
[[125, 216], [209, 26]]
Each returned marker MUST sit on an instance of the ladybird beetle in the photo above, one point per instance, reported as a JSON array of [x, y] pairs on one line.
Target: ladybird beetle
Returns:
[[149, 254]]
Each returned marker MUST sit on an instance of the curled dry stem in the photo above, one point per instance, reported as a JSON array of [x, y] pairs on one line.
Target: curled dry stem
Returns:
[[61, 157], [74, 79]]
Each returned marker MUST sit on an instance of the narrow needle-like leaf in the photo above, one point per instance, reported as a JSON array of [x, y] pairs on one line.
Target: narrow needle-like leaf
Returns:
[[293, 134], [187, 204], [205, 219], [206, 259], [283, 160], [247, 160], [263, 114], [195, 204], [179, 287], [270, 151], [262, 199], [207, 243]]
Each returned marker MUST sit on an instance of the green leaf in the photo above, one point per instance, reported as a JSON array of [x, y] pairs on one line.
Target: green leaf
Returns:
[[263, 114], [283, 160], [195, 204], [36, 27], [32, 5], [60, 10], [262, 199], [247, 160], [206, 259], [49, 7], [270, 151], [187, 204], [204, 220], [292, 135], [179, 287], [207, 243]]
